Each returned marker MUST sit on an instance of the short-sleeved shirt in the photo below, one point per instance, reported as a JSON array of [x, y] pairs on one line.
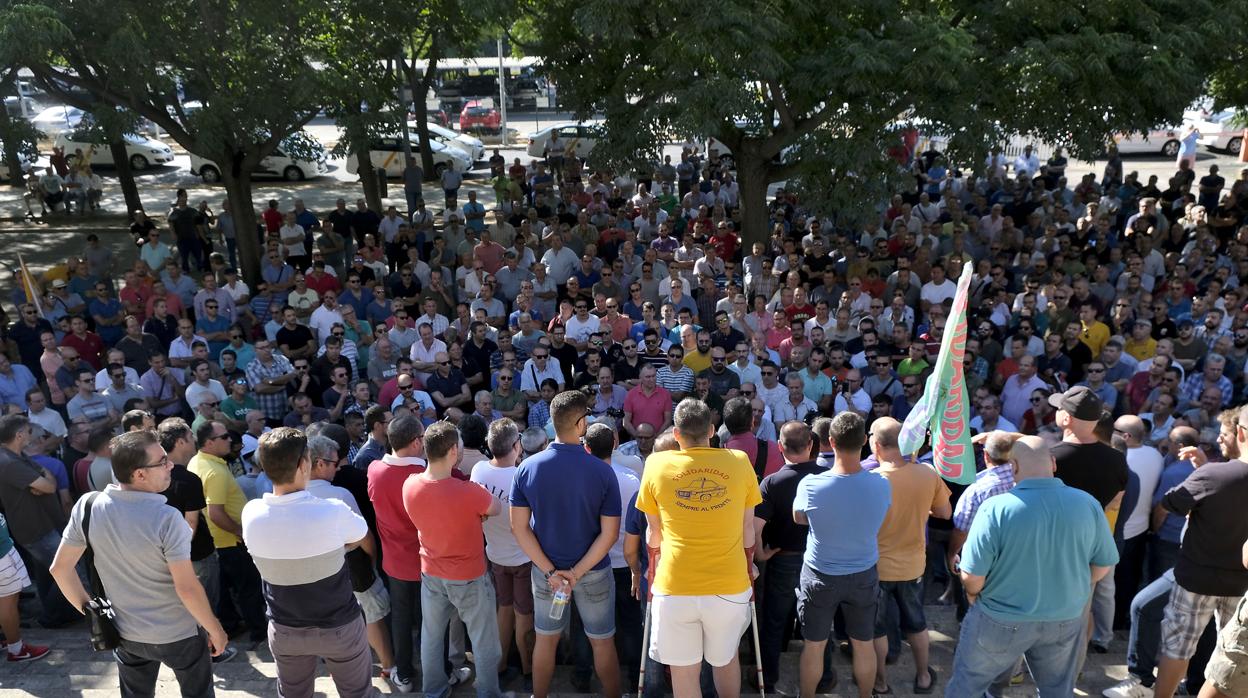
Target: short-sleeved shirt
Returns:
[[186, 493], [1034, 545], [297, 542], [701, 496], [778, 491], [500, 543], [568, 491], [845, 512], [988, 483], [1095, 468], [916, 490], [30, 516], [135, 536], [648, 409], [399, 540], [1210, 560], [447, 515], [219, 488]]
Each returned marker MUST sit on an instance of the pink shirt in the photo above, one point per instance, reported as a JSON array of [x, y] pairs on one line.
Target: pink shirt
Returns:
[[490, 255], [747, 443], [648, 409]]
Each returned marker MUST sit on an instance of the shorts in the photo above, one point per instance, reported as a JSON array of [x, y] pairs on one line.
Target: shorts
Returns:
[[593, 597], [819, 596], [514, 587], [13, 577], [909, 605], [1228, 667], [375, 602], [687, 629], [1187, 615]]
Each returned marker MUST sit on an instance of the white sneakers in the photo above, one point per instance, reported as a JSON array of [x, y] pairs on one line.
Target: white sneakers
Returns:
[[401, 685], [1128, 688]]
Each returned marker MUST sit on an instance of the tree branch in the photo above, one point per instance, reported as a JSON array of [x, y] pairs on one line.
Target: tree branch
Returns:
[[780, 104]]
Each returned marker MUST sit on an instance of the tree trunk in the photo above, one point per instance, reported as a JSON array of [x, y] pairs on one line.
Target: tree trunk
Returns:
[[125, 177], [7, 136], [420, 87], [238, 190], [752, 181], [368, 176]]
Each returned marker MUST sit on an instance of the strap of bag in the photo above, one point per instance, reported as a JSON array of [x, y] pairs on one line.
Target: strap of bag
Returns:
[[760, 458], [97, 586]]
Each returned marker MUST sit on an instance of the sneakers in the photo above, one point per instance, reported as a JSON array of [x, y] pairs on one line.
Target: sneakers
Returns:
[[226, 655], [400, 684], [1129, 688], [29, 653], [460, 675]]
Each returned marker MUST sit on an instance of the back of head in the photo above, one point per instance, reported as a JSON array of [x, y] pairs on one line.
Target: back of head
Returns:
[[280, 453], [885, 433], [692, 422], [473, 430], [822, 430], [1032, 457], [502, 436], [130, 454], [848, 433], [102, 434], [665, 442], [321, 447], [133, 419], [566, 409], [997, 448], [738, 416], [441, 438], [533, 440], [403, 431], [600, 441], [795, 438], [1184, 436], [335, 432]]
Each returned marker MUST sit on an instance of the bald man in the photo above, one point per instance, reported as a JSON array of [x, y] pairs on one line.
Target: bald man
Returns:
[[1146, 462], [1029, 563]]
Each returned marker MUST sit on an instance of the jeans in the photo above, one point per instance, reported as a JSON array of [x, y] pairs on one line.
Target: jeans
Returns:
[[1162, 555], [243, 582], [138, 664], [208, 572], [405, 614], [1129, 575], [231, 247], [987, 648], [54, 609], [297, 651], [628, 621], [1103, 610], [1147, 609], [474, 601], [412, 196]]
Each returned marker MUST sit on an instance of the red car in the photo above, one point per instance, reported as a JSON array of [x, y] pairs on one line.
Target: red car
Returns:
[[479, 116]]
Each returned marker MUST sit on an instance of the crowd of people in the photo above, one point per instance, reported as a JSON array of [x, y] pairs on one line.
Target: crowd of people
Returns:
[[443, 430]]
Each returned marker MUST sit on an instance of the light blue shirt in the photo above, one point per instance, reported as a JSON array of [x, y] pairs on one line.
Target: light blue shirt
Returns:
[[1034, 544], [845, 513]]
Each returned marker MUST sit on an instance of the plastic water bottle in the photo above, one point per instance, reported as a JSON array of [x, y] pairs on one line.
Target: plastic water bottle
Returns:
[[559, 602]]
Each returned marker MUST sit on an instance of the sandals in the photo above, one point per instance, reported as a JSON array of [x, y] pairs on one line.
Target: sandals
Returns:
[[931, 686]]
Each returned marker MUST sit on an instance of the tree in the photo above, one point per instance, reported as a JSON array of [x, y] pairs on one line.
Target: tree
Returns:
[[252, 65], [816, 92], [19, 23]]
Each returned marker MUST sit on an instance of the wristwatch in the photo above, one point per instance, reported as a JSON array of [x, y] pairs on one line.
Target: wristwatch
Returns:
[[549, 574]]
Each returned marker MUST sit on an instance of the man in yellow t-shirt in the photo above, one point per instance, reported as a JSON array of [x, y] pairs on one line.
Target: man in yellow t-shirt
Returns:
[[225, 500], [917, 492], [699, 504], [1093, 332]]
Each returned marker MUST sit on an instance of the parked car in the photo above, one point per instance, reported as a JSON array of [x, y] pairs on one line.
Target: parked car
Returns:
[[142, 151], [387, 153], [465, 143], [577, 138], [1221, 131], [277, 164], [1163, 140], [480, 116], [54, 120]]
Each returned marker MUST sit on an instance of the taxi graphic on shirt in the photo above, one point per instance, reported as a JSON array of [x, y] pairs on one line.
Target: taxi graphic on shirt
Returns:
[[702, 490]]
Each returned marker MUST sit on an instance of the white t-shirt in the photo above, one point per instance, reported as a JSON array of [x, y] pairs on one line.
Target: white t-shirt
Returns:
[[629, 485], [501, 547], [937, 293], [195, 393], [322, 322], [1146, 462], [579, 331]]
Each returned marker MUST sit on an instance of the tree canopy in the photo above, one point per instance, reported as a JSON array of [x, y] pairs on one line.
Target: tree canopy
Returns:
[[804, 89]]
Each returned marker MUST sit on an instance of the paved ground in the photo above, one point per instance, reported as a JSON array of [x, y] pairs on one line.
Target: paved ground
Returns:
[[74, 669]]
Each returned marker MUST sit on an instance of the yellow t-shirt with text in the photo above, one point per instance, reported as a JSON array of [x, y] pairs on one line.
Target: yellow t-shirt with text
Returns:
[[700, 496]]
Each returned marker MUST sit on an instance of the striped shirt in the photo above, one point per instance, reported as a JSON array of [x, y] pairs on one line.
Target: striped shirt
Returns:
[[988, 483]]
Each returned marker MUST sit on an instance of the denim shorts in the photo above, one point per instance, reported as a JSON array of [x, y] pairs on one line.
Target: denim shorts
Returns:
[[593, 597], [819, 595], [909, 605]]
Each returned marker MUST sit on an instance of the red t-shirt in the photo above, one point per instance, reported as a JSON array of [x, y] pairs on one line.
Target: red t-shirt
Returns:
[[448, 515], [272, 220], [90, 347], [648, 409], [326, 282]]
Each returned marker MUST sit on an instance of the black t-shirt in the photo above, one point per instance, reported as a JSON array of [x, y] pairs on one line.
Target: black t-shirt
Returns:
[[1095, 468], [727, 342], [296, 339], [478, 356], [186, 493], [1213, 499], [779, 490], [567, 360], [624, 372]]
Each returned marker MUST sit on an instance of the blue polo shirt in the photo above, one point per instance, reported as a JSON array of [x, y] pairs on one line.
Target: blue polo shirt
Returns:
[[567, 490], [1034, 544]]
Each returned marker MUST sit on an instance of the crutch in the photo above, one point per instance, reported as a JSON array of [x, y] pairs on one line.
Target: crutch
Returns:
[[653, 557], [758, 653]]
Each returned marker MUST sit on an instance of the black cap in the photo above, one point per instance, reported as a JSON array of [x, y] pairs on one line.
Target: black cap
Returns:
[[1080, 402]]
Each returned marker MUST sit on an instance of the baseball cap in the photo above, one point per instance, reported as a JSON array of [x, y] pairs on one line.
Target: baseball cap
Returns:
[[58, 283], [250, 444], [1186, 323], [1080, 402], [231, 271]]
